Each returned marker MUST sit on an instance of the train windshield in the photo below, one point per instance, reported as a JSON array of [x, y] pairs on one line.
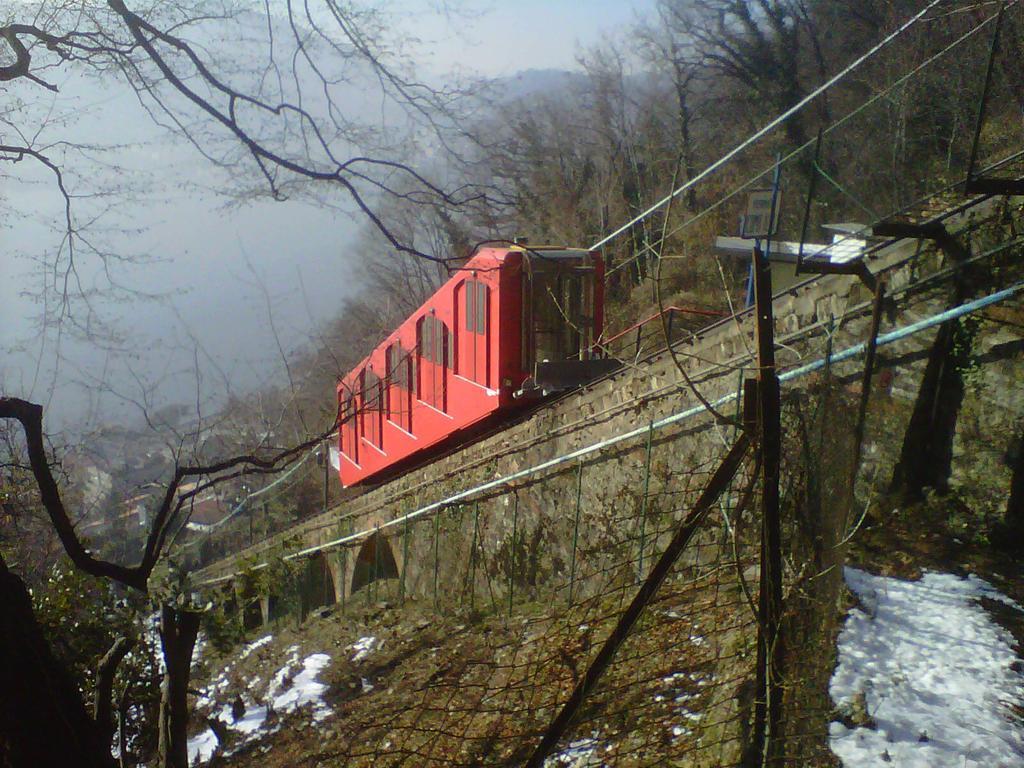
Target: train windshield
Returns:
[[558, 304]]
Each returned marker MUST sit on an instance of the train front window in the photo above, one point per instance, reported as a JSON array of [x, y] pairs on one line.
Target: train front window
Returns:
[[558, 310]]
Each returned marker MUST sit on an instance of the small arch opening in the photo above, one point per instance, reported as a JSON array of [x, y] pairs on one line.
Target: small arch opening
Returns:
[[228, 602], [318, 585], [375, 562], [252, 612]]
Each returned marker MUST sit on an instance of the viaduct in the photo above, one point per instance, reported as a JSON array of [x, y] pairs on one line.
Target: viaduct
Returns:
[[577, 489]]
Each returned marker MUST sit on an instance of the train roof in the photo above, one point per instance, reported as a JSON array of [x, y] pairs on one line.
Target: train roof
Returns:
[[545, 251]]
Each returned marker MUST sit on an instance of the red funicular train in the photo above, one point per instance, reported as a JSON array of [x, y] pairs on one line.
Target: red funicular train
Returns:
[[514, 323]]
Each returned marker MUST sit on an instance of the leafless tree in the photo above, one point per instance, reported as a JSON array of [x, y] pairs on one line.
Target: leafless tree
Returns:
[[286, 126]]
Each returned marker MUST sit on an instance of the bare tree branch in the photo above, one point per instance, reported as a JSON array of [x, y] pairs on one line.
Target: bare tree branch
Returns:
[[30, 416]]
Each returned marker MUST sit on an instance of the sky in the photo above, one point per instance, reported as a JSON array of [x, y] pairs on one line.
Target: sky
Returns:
[[221, 272], [503, 37]]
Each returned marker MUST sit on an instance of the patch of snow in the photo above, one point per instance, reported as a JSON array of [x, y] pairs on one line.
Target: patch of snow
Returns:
[[199, 649], [249, 726], [935, 671], [579, 754], [306, 690], [277, 682], [363, 646], [254, 645], [250, 722], [303, 690], [200, 748], [366, 685]]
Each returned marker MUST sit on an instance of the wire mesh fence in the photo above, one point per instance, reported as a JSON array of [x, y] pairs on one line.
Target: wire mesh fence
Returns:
[[532, 578], [550, 589], [551, 596]]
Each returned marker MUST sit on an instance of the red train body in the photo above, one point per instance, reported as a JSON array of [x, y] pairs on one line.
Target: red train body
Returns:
[[514, 323]]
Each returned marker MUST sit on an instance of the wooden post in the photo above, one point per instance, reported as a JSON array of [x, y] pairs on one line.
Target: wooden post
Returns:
[[343, 560], [575, 533], [327, 472], [643, 503], [512, 551], [768, 705], [472, 557], [405, 560], [437, 553]]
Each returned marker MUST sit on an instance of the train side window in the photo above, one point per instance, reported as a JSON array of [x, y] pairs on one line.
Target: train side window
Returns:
[[469, 290], [421, 343], [481, 308], [349, 427], [372, 410], [476, 306], [444, 355]]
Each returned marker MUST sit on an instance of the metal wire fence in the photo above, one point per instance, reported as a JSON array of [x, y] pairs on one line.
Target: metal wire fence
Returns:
[[531, 579], [547, 590]]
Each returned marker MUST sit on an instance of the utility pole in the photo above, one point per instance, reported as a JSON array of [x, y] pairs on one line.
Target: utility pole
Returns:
[[768, 709], [760, 224]]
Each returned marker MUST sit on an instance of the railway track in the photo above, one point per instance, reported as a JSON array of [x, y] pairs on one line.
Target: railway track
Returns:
[[926, 216]]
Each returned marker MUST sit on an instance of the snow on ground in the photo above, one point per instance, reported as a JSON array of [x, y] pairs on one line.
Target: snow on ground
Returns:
[[579, 754], [254, 645], [305, 689], [674, 688], [208, 694], [935, 671], [363, 646], [291, 687]]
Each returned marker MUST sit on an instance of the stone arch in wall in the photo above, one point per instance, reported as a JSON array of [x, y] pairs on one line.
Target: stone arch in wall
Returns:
[[250, 604], [317, 584], [374, 562]]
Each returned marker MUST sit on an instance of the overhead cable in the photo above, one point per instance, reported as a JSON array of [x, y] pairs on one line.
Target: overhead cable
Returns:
[[772, 125]]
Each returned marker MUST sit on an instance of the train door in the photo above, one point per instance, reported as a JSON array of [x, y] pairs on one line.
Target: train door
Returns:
[[433, 342], [472, 331]]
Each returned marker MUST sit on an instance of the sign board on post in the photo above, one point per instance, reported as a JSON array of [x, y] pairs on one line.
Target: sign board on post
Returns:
[[758, 223]]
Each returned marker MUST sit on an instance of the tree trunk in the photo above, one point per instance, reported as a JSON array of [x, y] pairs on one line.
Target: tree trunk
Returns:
[[178, 631], [1013, 533], [43, 720], [102, 711]]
